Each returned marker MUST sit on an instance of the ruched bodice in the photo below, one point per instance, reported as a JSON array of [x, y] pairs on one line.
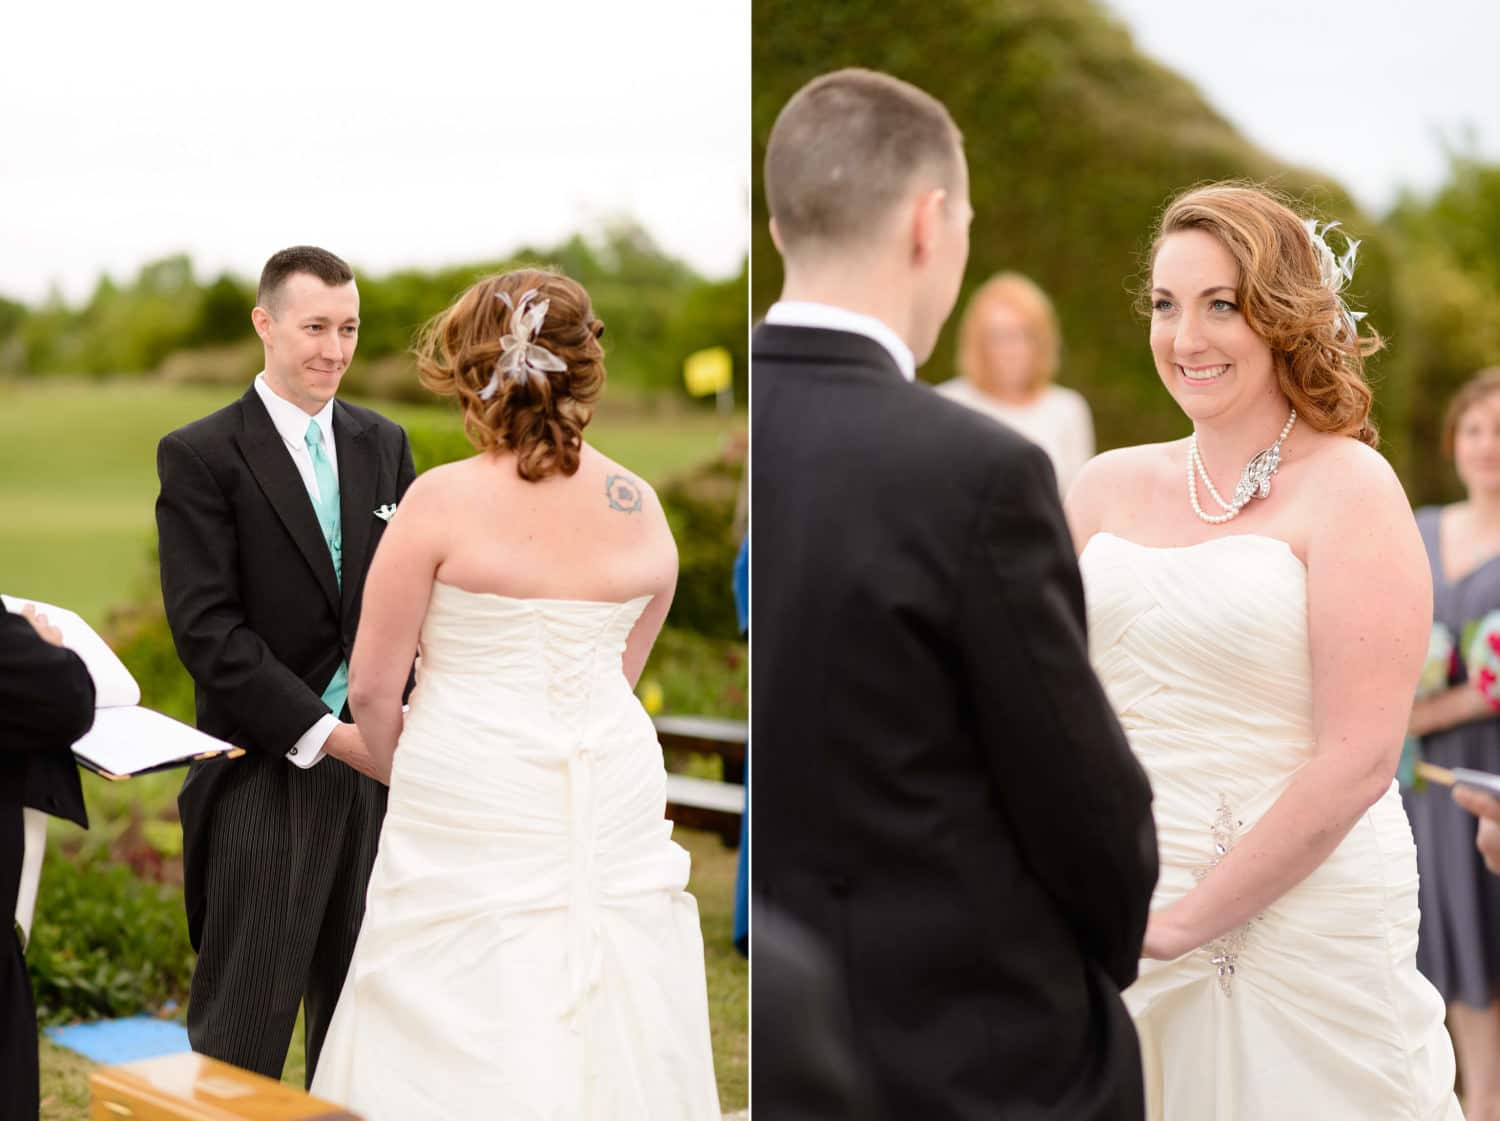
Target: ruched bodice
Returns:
[[1203, 651], [528, 928], [1314, 1009]]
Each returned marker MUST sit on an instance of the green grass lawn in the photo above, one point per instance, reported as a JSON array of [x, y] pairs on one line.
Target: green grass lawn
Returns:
[[78, 474]]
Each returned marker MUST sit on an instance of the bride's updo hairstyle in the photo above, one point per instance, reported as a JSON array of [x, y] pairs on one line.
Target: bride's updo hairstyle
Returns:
[[1289, 295], [534, 411]]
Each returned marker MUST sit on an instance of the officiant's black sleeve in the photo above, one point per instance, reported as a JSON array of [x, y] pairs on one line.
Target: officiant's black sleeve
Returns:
[[270, 706], [1077, 800], [46, 694]]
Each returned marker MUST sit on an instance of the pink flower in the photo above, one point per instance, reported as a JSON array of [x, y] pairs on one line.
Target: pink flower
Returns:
[[1487, 687]]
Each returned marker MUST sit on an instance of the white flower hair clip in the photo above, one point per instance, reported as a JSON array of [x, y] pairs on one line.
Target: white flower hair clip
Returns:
[[520, 357], [1336, 271]]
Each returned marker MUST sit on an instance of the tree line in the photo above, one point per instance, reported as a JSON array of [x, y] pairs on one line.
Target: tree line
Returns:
[[167, 320]]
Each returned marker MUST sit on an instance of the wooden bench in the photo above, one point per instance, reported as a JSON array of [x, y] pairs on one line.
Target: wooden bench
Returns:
[[704, 803], [190, 1087]]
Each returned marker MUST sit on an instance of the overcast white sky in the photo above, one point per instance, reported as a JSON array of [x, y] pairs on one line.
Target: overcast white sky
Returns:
[[404, 134], [1363, 90]]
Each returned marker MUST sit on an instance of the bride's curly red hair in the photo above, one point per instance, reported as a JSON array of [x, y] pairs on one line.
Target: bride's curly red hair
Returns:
[[541, 420], [1318, 356]]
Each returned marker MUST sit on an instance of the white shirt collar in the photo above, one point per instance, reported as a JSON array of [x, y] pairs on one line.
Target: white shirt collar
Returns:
[[291, 421], [805, 313]]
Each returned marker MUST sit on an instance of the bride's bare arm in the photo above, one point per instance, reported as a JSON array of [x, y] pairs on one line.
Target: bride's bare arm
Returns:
[[397, 589], [643, 635], [1369, 611]]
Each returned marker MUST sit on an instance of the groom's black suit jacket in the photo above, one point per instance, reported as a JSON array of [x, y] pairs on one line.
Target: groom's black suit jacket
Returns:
[[942, 793], [256, 611]]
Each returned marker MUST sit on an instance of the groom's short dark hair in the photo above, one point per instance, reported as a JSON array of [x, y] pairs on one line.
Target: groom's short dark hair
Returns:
[[331, 270], [845, 149]]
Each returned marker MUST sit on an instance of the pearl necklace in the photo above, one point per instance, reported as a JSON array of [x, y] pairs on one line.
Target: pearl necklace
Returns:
[[1255, 480]]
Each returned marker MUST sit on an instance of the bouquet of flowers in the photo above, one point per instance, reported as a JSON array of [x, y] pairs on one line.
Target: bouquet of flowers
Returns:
[[1483, 650], [1436, 672]]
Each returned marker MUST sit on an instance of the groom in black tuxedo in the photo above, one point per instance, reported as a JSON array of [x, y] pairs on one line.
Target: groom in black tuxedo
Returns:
[[269, 513], [46, 703], [942, 794]]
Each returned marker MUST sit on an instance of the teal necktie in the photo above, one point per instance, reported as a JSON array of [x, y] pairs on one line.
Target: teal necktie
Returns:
[[332, 524]]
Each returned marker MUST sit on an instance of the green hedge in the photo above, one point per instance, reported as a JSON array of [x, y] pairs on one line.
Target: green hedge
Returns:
[[105, 943]]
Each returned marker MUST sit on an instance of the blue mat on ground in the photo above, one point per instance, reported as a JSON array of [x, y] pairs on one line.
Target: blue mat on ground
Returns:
[[122, 1041]]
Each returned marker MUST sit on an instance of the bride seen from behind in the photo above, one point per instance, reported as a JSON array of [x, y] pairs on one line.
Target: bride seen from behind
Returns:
[[538, 513], [529, 949], [1259, 605]]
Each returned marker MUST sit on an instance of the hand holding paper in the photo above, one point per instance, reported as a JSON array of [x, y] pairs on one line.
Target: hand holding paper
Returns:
[[125, 739]]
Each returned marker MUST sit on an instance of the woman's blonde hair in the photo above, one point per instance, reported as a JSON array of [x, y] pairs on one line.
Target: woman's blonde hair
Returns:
[[1284, 296], [1020, 293], [541, 418]]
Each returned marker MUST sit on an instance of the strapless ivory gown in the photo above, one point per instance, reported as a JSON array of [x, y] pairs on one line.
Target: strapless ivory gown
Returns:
[[1315, 1010], [528, 950]]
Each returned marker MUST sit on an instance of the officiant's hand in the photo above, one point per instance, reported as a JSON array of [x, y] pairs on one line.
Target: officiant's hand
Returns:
[[41, 625], [346, 745], [1487, 810]]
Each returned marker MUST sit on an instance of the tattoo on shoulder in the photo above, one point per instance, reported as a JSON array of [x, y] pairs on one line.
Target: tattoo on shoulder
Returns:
[[624, 493]]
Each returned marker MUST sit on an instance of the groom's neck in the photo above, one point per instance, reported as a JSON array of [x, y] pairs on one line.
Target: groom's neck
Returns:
[[864, 288]]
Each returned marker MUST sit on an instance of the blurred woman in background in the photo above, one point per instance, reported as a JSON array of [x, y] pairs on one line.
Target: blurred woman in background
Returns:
[[1459, 942], [1008, 349]]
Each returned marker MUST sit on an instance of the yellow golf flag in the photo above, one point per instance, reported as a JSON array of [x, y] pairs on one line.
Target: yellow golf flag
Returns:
[[707, 372]]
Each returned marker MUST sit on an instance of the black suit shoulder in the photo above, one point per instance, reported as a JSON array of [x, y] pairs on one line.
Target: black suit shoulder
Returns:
[[368, 416], [211, 430], [862, 407], [986, 445]]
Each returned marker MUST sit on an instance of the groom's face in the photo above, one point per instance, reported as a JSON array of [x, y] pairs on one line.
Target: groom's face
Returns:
[[310, 331]]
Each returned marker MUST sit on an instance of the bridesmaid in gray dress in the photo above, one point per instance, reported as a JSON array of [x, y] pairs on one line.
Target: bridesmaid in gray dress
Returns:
[[1459, 947]]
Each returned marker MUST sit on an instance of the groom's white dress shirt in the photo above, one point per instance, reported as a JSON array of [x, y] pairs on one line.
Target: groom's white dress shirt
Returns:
[[805, 313], [291, 424]]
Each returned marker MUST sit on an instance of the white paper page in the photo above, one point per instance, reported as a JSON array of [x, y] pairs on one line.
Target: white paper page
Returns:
[[126, 740], [113, 683]]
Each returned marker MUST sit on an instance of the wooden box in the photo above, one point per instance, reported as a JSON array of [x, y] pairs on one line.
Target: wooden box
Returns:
[[189, 1087]]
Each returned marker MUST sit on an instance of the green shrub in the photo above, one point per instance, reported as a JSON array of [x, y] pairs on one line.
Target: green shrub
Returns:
[[697, 675], [700, 506], [433, 444], [105, 943]]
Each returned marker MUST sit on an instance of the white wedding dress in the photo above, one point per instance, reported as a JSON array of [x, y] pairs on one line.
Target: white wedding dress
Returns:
[[1314, 1010], [529, 950]]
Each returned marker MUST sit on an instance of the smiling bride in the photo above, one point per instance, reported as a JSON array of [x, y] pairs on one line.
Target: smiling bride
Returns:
[[1258, 609]]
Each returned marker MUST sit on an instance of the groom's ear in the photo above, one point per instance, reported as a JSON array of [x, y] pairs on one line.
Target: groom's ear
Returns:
[[776, 238], [926, 223], [260, 319]]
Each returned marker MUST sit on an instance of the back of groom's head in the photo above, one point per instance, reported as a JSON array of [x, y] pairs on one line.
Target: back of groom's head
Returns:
[[846, 149], [283, 265]]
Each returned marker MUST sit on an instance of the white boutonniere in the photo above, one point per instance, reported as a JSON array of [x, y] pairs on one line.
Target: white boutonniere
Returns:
[[384, 512]]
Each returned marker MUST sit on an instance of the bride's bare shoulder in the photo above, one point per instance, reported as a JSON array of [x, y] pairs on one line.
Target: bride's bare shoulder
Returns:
[[1357, 510], [1352, 475], [1125, 474]]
